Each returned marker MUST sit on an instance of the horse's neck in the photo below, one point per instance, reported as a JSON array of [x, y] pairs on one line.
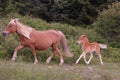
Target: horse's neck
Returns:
[[84, 44], [20, 36], [24, 30]]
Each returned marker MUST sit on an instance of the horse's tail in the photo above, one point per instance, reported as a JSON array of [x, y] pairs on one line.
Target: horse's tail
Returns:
[[103, 46], [63, 42]]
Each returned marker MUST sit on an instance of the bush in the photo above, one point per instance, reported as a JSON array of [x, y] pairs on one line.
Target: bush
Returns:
[[108, 24], [72, 33]]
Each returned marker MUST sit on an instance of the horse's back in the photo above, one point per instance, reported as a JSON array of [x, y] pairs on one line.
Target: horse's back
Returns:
[[44, 39], [91, 47], [54, 35]]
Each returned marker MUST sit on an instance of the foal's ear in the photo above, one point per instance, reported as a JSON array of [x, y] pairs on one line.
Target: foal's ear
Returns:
[[83, 36]]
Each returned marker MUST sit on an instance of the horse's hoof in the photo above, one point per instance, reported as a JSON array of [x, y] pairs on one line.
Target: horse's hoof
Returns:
[[60, 64], [13, 59], [47, 62], [102, 64], [87, 63], [35, 63], [76, 62]]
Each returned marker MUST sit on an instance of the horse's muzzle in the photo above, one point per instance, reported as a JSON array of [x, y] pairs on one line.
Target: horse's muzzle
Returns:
[[77, 43], [4, 33]]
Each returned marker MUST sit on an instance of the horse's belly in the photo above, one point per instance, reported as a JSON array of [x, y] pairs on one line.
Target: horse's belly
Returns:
[[42, 45]]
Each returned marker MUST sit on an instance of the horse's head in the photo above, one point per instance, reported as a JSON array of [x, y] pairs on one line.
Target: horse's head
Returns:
[[11, 27], [82, 39]]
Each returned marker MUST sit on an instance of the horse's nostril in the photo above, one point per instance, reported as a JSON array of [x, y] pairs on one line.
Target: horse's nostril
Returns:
[[4, 33], [77, 43]]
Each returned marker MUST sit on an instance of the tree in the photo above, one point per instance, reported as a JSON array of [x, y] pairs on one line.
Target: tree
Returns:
[[6, 7], [75, 12], [108, 24]]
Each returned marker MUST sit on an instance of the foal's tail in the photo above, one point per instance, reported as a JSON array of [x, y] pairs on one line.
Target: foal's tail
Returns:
[[63, 42], [103, 46]]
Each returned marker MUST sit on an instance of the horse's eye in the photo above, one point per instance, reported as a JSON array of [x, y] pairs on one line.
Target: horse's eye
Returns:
[[10, 26]]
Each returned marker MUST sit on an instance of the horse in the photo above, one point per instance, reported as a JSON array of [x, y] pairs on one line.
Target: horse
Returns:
[[37, 40], [88, 47]]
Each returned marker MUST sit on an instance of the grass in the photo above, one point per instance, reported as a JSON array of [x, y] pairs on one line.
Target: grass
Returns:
[[27, 71]]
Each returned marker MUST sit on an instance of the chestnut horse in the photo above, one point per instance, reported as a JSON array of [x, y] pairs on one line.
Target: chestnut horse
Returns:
[[88, 47], [37, 40]]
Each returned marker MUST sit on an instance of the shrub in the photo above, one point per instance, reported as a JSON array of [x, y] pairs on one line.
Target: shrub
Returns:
[[72, 33], [108, 24]]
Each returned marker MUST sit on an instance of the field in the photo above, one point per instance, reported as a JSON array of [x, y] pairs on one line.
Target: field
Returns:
[[27, 71], [23, 68]]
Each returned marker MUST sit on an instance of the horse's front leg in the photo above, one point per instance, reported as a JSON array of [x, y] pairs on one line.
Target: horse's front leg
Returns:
[[34, 54], [84, 57], [91, 56], [15, 52], [83, 53]]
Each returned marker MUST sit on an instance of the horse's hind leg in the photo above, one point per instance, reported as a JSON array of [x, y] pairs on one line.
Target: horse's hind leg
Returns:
[[61, 57], [15, 51], [99, 55], [56, 50], [50, 57]]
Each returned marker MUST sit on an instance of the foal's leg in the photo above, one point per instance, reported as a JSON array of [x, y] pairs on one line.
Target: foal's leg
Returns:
[[91, 56], [80, 57], [15, 52], [84, 57], [99, 55]]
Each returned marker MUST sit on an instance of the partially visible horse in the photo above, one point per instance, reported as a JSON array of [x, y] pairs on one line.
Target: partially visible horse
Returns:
[[37, 40], [88, 47]]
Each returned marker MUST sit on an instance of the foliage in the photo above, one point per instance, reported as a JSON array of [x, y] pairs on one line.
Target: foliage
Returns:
[[6, 7], [72, 33], [75, 12], [108, 24]]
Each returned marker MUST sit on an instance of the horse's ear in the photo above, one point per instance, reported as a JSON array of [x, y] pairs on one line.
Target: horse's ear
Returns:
[[11, 17], [16, 19], [83, 36]]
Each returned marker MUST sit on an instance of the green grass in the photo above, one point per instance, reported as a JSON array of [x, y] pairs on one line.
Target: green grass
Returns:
[[27, 71]]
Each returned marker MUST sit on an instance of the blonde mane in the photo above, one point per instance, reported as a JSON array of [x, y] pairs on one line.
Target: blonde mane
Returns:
[[24, 30]]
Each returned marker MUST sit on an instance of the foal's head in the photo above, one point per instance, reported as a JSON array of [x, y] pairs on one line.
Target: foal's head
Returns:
[[11, 27], [82, 39]]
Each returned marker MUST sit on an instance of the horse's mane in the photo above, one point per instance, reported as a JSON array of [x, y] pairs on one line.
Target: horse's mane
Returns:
[[24, 30], [84, 37]]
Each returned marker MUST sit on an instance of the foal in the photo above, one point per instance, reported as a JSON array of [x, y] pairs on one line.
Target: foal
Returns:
[[88, 47]]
